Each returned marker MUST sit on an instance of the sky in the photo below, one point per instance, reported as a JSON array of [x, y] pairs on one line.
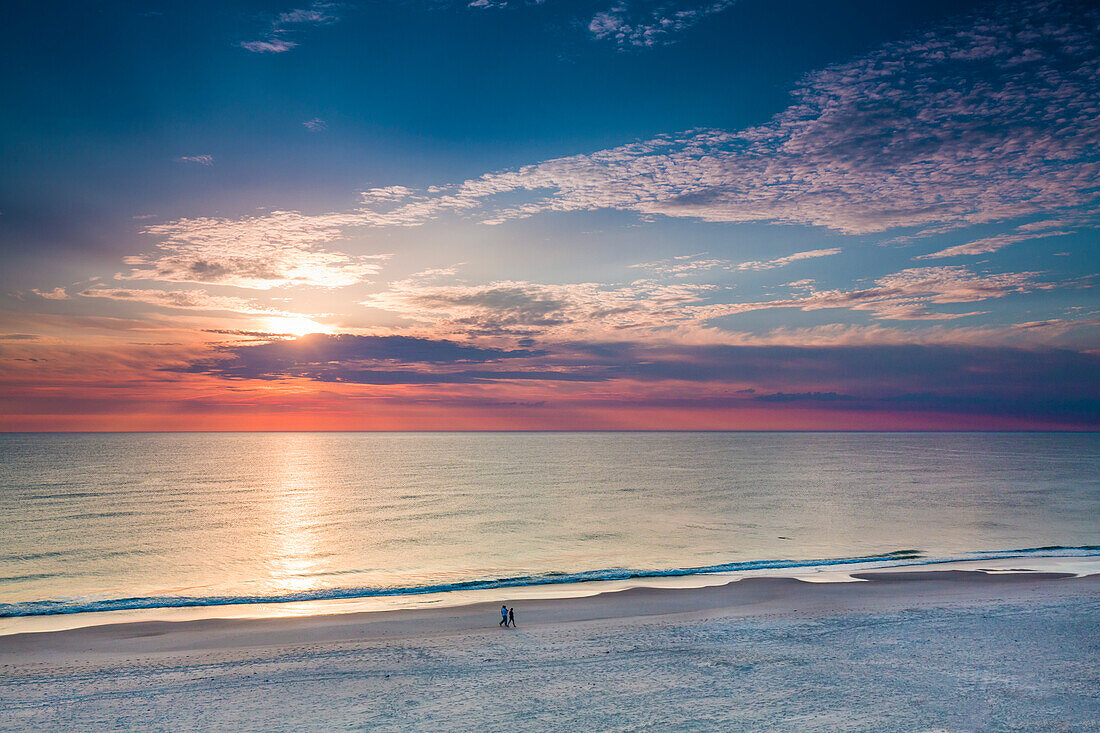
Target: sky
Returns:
[[552, 215]]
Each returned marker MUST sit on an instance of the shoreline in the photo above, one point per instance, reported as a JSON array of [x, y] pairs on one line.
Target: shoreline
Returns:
[[886, 590], [1055, 559]]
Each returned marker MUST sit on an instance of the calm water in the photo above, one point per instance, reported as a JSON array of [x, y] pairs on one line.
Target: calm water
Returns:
[[93, 522]]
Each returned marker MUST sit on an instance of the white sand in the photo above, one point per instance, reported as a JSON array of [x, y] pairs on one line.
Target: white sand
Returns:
[[914, 651]]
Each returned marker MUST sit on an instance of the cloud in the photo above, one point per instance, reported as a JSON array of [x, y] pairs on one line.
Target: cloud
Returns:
[[992, 244], [272, 45], [648, 23], [55, 294], [358, 359], [520, 308], [681, 310], [501, 4], [276, 250], [946, 129], [315, 125], [1025, 383], [1060, 333], [803, 397], [181, 299], [197, 159], [684, 265], [320, 13], [789, 259], [906, 295]]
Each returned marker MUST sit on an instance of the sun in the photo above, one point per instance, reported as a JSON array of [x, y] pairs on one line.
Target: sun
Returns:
[[294, 325]]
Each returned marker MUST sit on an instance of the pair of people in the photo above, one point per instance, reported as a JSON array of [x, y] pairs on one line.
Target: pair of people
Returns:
[[507, 617]]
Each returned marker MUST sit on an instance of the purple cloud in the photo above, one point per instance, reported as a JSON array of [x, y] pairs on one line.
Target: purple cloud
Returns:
[[357, 359], [943, 130], [648, 23], [1027, 383]]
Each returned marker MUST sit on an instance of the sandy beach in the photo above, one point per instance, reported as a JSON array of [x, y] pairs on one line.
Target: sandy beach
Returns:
[[901, 650]]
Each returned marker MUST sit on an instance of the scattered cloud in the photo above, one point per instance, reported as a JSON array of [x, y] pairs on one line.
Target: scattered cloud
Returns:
[[319, 13], [275, 250], [520, 308], [648, 23], [1062, 333], [1024, 233], [180, 299], [650, 309], [941, 131], [907, 295], [197, 159], [315, 125], [684, 265], [501, 4], [272, 45], [55, 294], [789, 259], [633, 23], [938, 132]]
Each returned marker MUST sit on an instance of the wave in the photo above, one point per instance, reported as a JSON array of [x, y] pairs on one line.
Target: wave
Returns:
[[896, 558]]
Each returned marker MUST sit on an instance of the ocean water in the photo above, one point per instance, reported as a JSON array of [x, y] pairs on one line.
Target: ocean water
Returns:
[[99, 522]]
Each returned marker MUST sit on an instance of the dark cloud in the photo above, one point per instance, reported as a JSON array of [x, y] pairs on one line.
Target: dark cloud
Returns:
[[803, 397], [1028, 383], [337, 373], [864, 368], [351, 358]]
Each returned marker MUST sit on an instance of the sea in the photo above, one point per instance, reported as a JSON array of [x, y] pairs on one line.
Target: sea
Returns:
[[95, 527]]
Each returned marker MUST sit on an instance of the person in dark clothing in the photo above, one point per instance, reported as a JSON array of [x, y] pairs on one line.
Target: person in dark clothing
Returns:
[[512, 617]]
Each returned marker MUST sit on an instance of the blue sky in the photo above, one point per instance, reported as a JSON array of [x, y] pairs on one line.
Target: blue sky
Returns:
[[592, 187]]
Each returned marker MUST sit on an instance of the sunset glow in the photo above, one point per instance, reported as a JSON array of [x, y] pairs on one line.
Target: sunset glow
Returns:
[[733, 217]]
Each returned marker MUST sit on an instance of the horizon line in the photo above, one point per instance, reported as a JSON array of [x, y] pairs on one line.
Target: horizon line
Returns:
[[579, 430]]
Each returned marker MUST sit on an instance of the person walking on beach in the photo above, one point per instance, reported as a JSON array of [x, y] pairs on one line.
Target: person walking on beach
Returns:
[[503, 615], [512, 617]]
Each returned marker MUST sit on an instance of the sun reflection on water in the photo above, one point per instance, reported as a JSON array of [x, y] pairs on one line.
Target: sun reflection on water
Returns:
[[295, 549]]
